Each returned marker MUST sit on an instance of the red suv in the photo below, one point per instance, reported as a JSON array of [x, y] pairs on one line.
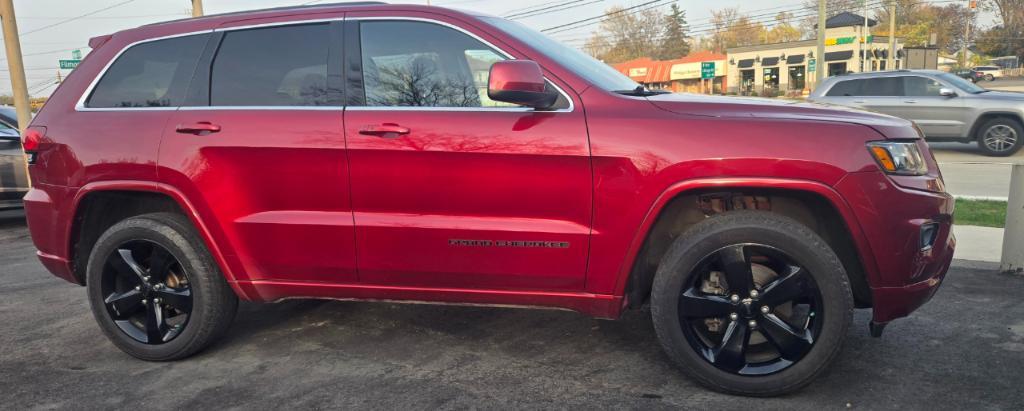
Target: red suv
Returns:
[[409, 153]]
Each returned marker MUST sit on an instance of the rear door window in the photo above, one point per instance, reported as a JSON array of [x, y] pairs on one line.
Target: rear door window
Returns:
[[845, 88], [151, 74], [275, 66], [883, 87]]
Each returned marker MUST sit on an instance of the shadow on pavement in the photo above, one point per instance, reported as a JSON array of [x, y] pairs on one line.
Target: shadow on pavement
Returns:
[[12, 218]]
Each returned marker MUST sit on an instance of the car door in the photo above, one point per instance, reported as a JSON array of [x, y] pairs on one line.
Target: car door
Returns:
[[260, 149], [882, 94], [449, 188], [935, 114]]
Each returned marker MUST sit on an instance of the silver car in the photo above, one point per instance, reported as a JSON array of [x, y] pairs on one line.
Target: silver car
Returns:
[[945, 106]]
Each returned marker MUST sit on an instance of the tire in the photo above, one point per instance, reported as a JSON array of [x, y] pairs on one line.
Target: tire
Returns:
[[196, 305], [1000, 137], [768, 232], [990, 77]]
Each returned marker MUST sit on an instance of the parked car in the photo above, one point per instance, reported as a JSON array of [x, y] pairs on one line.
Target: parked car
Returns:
[[8, 125], [968, 74], [287, 153], [991, 73], [944, 106], [13, 181]]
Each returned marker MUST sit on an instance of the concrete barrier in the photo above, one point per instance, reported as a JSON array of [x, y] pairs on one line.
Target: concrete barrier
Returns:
[[1013, 235]]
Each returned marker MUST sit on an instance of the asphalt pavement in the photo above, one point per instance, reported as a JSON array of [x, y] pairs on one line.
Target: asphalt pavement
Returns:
[[963, 350]]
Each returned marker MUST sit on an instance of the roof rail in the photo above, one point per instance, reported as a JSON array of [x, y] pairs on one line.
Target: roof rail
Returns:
[[282, 8]]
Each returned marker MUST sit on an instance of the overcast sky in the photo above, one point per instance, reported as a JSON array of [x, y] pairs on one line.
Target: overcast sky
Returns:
[[42, 46]]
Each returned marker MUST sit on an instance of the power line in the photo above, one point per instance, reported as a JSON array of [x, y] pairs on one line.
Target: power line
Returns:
[[566, 26], [74, 18], [557, 10], [542, 6]]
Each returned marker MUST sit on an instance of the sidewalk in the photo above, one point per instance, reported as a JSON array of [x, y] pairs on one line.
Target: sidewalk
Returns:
[[978, 243]]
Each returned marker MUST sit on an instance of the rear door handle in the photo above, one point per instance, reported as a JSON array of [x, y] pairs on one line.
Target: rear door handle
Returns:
[[200, 128], [910, 101], [386, 130], [858, 101]]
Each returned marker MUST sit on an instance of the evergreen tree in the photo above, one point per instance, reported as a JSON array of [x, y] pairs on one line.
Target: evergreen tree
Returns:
[[675, 43]]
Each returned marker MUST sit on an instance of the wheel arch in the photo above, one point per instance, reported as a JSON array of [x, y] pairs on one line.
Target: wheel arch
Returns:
[[989, 115], [97, 206], [814, 204]]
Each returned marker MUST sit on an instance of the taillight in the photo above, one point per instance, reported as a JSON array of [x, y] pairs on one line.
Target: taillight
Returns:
[[30, 140]]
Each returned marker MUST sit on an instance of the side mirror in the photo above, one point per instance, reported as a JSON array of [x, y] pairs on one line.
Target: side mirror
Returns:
[[946, 92], [519, 82]]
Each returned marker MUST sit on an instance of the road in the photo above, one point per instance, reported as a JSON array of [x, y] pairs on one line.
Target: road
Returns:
[[963, 350]]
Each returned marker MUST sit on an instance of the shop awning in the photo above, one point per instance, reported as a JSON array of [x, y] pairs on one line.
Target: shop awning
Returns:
[[769, 61], [795, 59], [747, 63], [838, 55]]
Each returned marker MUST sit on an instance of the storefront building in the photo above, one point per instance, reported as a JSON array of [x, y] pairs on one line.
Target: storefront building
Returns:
[[789, 68], [684, 75]]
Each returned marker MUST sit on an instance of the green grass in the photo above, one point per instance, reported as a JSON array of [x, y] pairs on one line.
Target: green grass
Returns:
[[985, 213]]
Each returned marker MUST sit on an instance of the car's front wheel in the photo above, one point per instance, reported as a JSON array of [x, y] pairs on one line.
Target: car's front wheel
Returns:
[[990, 77], [155, 290], [751, 303], [1000, 137]]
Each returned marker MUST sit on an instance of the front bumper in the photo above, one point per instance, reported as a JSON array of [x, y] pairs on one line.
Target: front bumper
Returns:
[[905, 274]]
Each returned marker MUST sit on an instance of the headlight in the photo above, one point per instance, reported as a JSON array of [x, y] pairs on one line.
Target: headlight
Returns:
[[899, 158]]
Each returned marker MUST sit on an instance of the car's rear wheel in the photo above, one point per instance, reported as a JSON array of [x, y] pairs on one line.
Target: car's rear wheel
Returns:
[[1000, 137], [990, 77], [751, 303], [154, 289]]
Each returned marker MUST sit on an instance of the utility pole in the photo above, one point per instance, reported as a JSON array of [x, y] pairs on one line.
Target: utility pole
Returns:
[[820, 66], [967, 32], [864, 40], [891, 63], [15, 66], [197, 8]]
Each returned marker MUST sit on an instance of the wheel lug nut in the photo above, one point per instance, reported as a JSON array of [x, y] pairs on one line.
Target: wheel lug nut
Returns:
[[734, 316], [143, 302], [156, 301], [138, 288], [735, 298], [765, 309], [752, 323], [753, 293]]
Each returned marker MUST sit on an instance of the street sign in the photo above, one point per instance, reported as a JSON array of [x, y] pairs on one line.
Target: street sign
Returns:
[[812, 66], [707, 70], [68, 64], [76, 54]]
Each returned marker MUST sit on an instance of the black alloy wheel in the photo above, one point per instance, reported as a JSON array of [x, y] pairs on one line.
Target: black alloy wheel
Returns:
[[146, 292], [750, 309]]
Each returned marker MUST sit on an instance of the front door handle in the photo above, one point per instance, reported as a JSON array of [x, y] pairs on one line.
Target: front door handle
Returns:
[[858, 101], [386, 130], [910, 101], [201, 128]]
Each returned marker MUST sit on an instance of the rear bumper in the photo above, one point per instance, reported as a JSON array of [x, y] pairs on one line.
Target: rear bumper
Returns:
[[906, 273], [49, 235]]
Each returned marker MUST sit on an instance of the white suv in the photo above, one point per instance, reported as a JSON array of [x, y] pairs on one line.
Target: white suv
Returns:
[[991, 72]]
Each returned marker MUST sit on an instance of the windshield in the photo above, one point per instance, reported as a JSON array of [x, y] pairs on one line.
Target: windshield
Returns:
[[595, 72], [960, 83]]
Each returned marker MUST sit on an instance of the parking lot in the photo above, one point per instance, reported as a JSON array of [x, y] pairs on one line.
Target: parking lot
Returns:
[[964, 350]]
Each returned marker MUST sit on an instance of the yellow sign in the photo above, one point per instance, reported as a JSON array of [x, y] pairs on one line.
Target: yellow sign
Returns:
[[845, 40], [637, 72]]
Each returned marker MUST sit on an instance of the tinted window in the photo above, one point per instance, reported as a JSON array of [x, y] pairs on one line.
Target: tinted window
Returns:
[[276, 66], [921, 87], [882, 87], [409, 63], [153, 74], [845, 88]]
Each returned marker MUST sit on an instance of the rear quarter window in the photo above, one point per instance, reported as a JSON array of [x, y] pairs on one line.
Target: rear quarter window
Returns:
[[150, 74]]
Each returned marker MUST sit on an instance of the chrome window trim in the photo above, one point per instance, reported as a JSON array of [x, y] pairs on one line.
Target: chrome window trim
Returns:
[[572, 105], [80, 105]]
